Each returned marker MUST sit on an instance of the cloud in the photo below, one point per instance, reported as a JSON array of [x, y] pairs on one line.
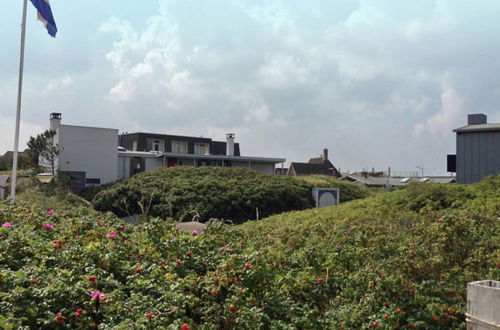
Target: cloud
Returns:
[[450, 114], [7, 129], [58, 84], [379, 83]]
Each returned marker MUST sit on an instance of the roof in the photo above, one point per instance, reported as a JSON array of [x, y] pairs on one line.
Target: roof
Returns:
[[318, 160], [309, 169], [478, 128], [196, 156], [396, 181]]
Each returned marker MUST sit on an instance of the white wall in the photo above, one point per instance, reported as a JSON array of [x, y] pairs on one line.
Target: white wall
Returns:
[[153, 163], [89, 149], [123, 167], [266, 168]]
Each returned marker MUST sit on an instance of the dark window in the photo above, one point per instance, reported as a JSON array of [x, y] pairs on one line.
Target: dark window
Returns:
[[93, 181], [452, 163]]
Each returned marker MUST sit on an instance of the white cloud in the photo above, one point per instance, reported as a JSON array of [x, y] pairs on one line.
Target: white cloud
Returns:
[[450, 115], [7, 129], [363, 78], [58, 84]]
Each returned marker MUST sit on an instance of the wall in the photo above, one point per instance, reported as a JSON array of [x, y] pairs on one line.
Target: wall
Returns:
[[266, 168], [153, 163], [123, 167], [89, 149], [478, 155]]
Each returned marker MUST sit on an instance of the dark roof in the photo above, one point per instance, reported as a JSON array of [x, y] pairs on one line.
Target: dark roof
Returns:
[[325, 168], [318, 160]]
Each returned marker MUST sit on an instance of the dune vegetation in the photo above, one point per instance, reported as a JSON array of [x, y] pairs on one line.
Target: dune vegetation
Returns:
[[236, 194], [390, 260]]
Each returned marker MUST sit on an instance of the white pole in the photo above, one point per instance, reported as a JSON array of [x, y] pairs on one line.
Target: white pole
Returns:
[[18, 114]]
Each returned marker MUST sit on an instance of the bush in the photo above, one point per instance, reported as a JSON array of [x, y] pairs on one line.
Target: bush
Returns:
[[348, 191], [373, 261], [236, 194]]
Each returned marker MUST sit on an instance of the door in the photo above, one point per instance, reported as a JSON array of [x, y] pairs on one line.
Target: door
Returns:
[[172, 162]]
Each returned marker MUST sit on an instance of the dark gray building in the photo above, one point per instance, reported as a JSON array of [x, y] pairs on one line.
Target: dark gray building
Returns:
[[316, 166], [478, 150]]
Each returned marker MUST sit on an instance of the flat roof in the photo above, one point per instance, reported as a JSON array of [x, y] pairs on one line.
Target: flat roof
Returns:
[[195, 156], [91, 127], [479, 128]]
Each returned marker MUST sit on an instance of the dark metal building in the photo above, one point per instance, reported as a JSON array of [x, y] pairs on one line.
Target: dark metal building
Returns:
[[478, 150]]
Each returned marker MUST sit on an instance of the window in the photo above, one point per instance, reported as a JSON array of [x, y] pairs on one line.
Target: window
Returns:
[[201, 148], [158, 145], [134, 145], [93, 181], [179, 147]]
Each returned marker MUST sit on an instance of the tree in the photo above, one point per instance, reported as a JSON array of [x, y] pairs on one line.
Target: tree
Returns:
[[44, 146]]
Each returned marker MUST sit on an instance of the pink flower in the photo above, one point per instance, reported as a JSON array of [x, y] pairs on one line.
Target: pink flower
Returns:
[[50, 212], [48, 226], [98, 295], [113, 234], [6, 225], [194, 232]]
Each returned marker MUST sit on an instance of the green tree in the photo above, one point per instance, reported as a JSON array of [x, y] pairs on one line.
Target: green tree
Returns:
[[44, 146], [3, 165]]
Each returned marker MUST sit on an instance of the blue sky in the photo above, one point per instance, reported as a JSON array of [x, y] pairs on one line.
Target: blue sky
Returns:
[[378, 83]]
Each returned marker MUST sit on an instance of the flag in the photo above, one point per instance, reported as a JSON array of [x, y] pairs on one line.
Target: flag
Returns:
[[45, 15]]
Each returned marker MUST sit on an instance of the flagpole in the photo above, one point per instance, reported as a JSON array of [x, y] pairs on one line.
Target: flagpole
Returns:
[[18, 114]]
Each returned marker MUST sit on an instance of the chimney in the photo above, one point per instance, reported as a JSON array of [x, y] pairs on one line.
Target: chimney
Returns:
[[325, 155], [55, 121], [476, 119], [230, 144]]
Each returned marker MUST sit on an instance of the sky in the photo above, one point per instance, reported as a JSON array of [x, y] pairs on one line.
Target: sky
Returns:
[[380, 83]]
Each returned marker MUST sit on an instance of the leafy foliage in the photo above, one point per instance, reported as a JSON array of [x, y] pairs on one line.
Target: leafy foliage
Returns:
[[236, 194], [392, 260], [43, 145], [348, 191]]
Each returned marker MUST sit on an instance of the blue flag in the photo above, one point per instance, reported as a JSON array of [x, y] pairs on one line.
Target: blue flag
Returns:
[[45, 15]]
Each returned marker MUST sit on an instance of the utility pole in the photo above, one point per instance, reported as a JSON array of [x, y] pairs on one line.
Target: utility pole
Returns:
[[421, 167]]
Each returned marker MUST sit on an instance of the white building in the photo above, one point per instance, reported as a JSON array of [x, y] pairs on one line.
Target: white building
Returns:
[[89, 154], [92, 155]]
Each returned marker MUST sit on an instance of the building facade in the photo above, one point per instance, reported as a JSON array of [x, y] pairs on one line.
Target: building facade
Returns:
[[141, 152], [88, 154], [94, 156], [478, 150]]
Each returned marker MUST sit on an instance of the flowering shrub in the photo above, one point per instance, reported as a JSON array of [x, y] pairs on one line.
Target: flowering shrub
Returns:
[[372, 263]]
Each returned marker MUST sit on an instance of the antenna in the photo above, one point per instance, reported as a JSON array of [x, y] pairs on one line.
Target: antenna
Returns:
[[421, 167]]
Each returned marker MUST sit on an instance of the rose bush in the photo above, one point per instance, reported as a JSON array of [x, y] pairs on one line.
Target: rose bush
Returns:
[[378, 262]]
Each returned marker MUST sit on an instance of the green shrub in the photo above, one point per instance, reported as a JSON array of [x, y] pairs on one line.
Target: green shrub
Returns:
[[348, 191], [236, 194], [383, 260]]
